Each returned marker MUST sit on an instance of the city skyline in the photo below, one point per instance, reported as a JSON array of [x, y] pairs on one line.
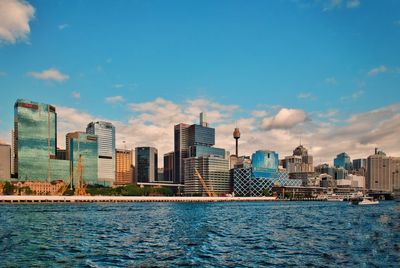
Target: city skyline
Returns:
[[253, 76]]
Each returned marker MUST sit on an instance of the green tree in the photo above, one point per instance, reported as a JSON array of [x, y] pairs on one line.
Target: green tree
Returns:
[[8, 188]]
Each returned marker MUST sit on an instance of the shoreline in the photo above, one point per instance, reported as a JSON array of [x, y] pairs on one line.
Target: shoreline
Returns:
[[26, 199]]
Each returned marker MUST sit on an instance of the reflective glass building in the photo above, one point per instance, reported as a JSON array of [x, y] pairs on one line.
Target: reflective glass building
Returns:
[[35, 142], [343, 161], [265, 164], [146, 164], [105, 133], [83, 149], [200, 150]]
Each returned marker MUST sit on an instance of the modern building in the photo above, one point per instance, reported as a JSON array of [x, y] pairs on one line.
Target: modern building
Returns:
[[265, 164], [300, 164], [146, 164], [181, 150], [395, 170], [83, 157], [359, 164], [105, 133], [160, 174], [213, 169], [35, 143], [342, 160], [5, 161], [61, 154], [169, 159], [383, 172], [123, 167]]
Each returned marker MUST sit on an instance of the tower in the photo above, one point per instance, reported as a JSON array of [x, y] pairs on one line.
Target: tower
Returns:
[[236, 136]]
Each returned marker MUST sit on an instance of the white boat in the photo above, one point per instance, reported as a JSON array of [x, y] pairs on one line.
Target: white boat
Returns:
[[364, 200], [334, 198]]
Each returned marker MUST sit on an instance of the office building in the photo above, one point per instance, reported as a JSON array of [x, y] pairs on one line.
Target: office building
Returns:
[[5, 161], [146, 164], [123, 167], [35, 143], [213, 169], [342, 160], [181, 150], [300, 164], [160, 174], [105, 133], [395, 170], [169, 166], [360, 164], [83, 158], [265, 163]]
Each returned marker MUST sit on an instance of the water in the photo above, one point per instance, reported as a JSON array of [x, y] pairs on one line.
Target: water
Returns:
[[206, 234]]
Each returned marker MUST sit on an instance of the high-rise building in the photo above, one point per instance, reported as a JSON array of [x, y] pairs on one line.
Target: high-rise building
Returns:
[[265, 163], [300, 165], [105, 132], [383, 172], [35, 143], [342, 160], [359, 164], [5, 161], [169, 166], [123, 167], [83, 157], [146, 164], [181, 150], [395, 170], [213, 169]]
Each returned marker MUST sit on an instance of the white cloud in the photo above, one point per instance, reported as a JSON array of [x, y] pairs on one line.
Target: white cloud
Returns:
[[353, 3], [114, 99], [63, 26], [331, 80], [257, 113], [15, 16], [306, 96], [354, 96], [151, 124], [76, 95], [284, 119], [50, 74], [377, 70]]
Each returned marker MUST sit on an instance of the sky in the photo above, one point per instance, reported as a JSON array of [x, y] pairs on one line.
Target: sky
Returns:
[[326, 72]]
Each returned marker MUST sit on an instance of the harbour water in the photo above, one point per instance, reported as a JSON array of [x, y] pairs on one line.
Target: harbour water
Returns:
[[199, 234]]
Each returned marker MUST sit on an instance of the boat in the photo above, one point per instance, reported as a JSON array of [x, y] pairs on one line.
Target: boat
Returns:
[[335, 198], [364, 200]]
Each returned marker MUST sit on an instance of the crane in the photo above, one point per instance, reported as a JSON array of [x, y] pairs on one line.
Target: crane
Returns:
[[209, 192]]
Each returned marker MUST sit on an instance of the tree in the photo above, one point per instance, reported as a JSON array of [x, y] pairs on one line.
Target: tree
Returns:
[[8, 188]]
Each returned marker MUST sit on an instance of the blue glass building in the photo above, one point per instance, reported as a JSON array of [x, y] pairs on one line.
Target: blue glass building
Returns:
[[265, 164], [343, 161]]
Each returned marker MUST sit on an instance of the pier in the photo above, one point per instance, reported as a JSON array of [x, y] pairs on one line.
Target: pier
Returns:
[[124, 199]]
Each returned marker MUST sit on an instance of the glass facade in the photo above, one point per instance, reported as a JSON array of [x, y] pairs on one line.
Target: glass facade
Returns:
[[105, 133], [83, 148], [342, 161], [35, 132], [265, 164], [200, 150], [200, 135], [146, 160]]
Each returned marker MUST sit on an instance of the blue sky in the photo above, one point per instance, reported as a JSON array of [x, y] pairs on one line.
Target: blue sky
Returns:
[[331, 60]]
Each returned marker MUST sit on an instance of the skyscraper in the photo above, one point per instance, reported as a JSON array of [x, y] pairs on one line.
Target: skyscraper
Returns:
[[342, 160], [5, 161], [83, 157], [146, 164], [181, 150], [35, 143], [124, 167], [383, 172], [105, 132], [169, 166], [265, 163]]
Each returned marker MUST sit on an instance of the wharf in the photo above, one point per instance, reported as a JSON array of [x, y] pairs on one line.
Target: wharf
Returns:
[[124, 199]]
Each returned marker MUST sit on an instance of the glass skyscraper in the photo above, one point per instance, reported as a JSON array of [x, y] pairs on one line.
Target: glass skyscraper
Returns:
[[35, 141], [105, 133], [342, 161], [146, 161], [83, 150], [265, 164]]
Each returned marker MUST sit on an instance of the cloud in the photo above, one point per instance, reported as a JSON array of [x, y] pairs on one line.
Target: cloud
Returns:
[[63, 26], [353, 3], [114, 99], [15, 16], [284, 119], [50, 74], [306, 96], [152, 124], [76, 95], [353, 97], [257, 113], [331, 80], [377, 70]]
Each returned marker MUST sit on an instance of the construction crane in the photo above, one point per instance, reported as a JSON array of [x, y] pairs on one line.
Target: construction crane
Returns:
[[209, 192]]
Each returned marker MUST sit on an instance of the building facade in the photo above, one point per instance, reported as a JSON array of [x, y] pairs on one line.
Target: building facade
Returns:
[[123, 167], [146, 164], [83, 157], [213, 169], [35, 143], [379, 177], [5, 161], [265, 163], [181, 150], [359, 164], [105, 133], [342, 160], [169, 159]]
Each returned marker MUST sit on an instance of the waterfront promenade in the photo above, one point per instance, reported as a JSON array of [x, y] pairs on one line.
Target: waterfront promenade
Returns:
[[124, 199]]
